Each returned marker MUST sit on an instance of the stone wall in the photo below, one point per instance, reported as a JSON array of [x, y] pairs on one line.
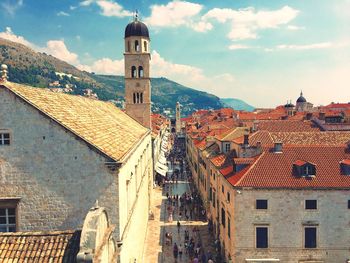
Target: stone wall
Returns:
[[57, 176], [286, 218]]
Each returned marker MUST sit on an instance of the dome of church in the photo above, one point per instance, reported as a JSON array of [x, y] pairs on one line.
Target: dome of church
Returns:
[[301, 98], [136, 28]]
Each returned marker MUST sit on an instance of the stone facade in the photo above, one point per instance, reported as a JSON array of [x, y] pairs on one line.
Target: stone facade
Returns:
[[178, 118], [56, 177]]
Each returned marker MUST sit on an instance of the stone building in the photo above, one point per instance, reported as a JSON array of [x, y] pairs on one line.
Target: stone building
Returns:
[[303, 105], [137, 72], [60, 153], [274, 196]]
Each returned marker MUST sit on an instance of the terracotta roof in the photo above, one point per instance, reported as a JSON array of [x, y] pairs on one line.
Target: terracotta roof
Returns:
[[287, 126], [311, 138], [275, 170], [338, 106], [227, 170], [244, 160], [99, 123], [300, 162], [345, 161], [232, 134], [218, 160], [54, 246]]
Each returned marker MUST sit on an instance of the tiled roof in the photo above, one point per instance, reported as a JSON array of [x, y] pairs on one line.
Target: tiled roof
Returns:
[[311, 138], [345, 161], [300, 162], [275, 170], [227, 170], [244, 160], [101, 124], [218, 160], [287, 126], [55, 246], [232, 134]]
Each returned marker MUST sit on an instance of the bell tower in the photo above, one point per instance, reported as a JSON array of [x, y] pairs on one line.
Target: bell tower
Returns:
[[137, 72]]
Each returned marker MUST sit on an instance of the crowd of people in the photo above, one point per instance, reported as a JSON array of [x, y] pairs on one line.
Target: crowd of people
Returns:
[[183, 207]]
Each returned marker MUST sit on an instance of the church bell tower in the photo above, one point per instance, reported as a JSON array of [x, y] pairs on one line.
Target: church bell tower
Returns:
[[137, 72]]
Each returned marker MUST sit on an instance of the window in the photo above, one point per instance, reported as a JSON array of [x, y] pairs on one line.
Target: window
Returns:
[[229, 227], [310, 237], [223, 217], [310, 204], [137, 46], [140, 72], [213, 198], [348, 204], [228, 197], [8, 215], [222, 189], [227, 147], [4, 138], [261, 204], [128, 47], [141, 97], [133, 72], [210, 194], [261, 237], [145, 45]]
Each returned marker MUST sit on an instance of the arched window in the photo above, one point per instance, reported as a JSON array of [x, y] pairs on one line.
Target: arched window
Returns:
[[134, 98], [128, 47], [133, 72], [141, 97], [137, 46], [137, 97], [145, 45], [140, 72]]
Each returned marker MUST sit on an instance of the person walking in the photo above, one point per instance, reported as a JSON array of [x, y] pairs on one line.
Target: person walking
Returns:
[[175, 251], [178, 226], [180, 251]]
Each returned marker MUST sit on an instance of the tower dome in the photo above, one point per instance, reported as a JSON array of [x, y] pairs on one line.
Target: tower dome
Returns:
[[301, 99], [136, 28]]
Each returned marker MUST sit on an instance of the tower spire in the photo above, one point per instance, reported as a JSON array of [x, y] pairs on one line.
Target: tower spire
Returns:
[[136, 15]]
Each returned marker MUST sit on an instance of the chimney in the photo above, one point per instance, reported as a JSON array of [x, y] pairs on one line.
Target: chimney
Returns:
[[321, 116], [258, 144], [308, 116], [278, 147], [246, 140]]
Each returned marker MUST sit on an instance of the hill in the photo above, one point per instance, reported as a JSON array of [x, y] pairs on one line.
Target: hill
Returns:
[[237, 104], [42, 70]]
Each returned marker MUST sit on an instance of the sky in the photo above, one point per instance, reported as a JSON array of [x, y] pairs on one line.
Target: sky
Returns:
[[261, 51]]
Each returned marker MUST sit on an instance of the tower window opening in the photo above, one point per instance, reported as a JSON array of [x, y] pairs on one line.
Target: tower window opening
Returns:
[[145, 45], [140, 72], [133, 72], [137, 97], [137, 46], [128, 47], [141, 97], [134, 98]]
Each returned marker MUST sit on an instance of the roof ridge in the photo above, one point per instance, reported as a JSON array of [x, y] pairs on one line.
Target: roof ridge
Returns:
[[40, 233]]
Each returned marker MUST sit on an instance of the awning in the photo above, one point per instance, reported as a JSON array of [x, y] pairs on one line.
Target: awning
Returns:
[[162, 166], [162, 160], [160, 171]]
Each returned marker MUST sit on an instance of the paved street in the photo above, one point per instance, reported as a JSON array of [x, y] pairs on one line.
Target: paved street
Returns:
[[157, 249]]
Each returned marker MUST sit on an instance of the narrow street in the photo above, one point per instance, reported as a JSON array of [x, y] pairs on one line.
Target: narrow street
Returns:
[[175, 202]]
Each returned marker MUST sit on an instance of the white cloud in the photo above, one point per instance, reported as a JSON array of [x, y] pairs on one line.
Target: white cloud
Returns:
[[108, 7], [62, 13], [246, 22], [178, 13], [238, 46], [295, 28], [72, 7], [86, 2], [9, 35], [112, 9], [105, 66], [11, 7], [58, 49], [309, 46]]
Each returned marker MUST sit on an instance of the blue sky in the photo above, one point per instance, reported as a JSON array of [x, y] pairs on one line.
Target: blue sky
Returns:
[[261, 51]]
